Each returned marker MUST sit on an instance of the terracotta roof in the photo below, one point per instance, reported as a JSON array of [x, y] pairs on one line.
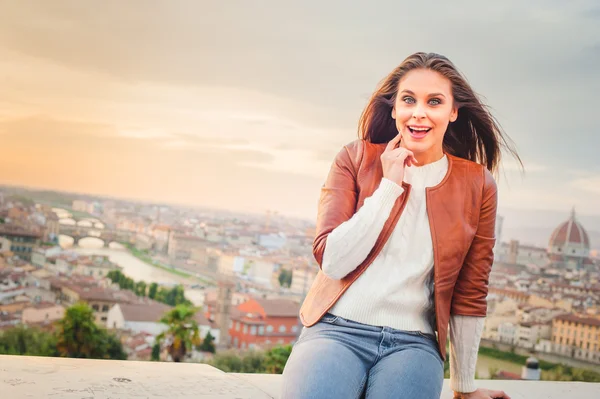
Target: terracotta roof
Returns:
[[581, 320], [570, 232], [279, 307], [104, 294], [151, 312], [16, 231], [202, 320], [44, 305]]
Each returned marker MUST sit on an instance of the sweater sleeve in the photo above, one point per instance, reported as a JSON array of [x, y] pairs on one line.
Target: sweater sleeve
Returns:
[[465, 335], [350, 243]]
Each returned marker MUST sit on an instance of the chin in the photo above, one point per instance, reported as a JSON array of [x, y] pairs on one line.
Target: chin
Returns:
[[417, 147]]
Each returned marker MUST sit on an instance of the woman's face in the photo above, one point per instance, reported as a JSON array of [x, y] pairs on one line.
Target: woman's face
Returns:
[[424, 106]]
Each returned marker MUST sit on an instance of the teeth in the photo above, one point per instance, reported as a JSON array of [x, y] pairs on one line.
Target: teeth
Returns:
[[420, 129]]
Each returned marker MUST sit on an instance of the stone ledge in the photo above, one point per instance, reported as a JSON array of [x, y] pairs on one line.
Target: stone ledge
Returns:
[[42, 377]]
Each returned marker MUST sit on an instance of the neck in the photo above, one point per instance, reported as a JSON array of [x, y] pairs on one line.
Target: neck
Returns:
[[428, 157]]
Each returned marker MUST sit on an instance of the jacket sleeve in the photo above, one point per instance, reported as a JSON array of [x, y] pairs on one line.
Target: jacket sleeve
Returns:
[[337, 202], [471, 289]]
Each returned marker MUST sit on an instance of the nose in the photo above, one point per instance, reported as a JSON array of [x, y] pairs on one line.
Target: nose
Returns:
[[419, 112]]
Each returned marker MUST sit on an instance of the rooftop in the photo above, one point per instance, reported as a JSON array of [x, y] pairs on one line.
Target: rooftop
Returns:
[[42, 377]]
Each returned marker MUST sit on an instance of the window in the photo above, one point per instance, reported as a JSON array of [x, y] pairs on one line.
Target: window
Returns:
[[269, 329], [261, 330], [294, 329], [245, 329], [96, 307], [253, 330], [237, 327], [105, 308], [282, 328]]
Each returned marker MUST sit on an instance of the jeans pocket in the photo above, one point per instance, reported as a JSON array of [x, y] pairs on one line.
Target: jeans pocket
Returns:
[[329, 318]]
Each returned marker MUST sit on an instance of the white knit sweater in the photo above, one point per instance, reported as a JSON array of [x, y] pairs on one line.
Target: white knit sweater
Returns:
[[396, 290]]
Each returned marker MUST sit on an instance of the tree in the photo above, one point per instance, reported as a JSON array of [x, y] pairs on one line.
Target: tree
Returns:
[[276, 358], [23, 340], [78, 336], [207, 344], [272, 361], [155, 357], [152, 290], [285, 278], [182, 333], [140, 288], [229, 362]]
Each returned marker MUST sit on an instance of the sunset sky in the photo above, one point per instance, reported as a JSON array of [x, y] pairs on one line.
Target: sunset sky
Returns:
[[243, 104]]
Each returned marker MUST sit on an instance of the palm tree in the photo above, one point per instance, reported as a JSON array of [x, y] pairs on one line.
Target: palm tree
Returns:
[[182, 332]]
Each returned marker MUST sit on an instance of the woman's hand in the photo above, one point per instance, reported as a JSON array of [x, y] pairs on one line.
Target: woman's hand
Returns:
[[482, 394], [394, 160]]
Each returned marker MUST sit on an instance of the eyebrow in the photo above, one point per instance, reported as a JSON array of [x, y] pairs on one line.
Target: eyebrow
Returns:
[[430, 95]]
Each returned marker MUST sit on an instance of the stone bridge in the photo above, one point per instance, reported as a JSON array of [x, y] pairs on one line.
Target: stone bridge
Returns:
[[106, 235]]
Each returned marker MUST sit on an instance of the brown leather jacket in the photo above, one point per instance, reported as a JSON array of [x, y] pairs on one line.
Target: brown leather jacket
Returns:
[[462, 216]]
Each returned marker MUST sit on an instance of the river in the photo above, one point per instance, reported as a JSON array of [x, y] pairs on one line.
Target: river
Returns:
[[132, 266]]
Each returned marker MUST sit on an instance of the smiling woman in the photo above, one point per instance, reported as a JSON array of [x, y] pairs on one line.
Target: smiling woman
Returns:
[[405, 237]]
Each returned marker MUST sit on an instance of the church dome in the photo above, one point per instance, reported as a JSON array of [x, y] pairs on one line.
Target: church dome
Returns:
[[570, 239]]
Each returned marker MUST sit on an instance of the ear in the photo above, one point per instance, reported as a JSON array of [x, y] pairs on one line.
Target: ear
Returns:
[[454, 114], [393, 112]]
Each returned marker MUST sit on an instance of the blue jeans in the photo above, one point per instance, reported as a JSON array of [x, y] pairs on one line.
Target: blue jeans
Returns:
[[339, 358]]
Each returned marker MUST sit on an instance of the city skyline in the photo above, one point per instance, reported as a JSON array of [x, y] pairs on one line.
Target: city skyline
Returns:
[[202, 105]]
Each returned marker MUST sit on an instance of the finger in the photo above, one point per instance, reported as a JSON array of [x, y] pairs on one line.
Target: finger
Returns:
[[393, 142], [402, 154], [499, 395]]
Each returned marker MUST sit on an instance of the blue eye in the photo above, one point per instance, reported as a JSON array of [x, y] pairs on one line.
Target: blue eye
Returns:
[[435, 101], [408, 100]]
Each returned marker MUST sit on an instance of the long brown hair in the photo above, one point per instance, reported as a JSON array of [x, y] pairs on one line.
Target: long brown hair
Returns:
[[475, 135]]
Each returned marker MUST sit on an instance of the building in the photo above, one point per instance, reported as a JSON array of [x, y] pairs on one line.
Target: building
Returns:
[[303, 277], [4, 244], [516, 253], [160, 233], [263, 323], [42, 313], [577, 337], [145, 318], [507, 333], [100, 299], [569, 245], [52, 228], [22, 240], [41, 254], [143, 241], [180, 245], [79, 206], [529, 334], [96, 266]]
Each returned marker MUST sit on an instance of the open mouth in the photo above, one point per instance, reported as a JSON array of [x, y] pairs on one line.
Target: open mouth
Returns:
[[418, 131]]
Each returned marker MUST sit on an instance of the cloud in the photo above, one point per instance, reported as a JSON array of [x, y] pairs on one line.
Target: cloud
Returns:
[[590, 184]]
